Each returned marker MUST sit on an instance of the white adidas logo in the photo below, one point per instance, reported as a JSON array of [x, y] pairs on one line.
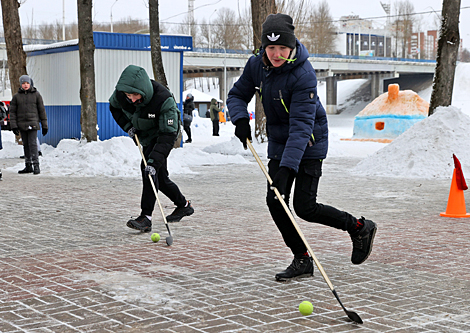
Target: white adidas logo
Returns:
[[273, 38]]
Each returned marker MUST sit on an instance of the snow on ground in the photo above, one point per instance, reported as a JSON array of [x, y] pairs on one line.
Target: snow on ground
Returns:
[[424, 151]]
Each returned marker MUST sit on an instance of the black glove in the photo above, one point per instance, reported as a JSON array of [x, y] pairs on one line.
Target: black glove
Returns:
[[16, 131], [243, 131], [44, 131], [150, 170], [280, 180], [132, 132]]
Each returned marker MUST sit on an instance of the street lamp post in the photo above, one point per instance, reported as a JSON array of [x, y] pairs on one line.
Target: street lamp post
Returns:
[[112, 14], [225, 82]]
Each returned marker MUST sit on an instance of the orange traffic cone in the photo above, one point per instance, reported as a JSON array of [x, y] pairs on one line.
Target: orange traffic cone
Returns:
[[456, 202]]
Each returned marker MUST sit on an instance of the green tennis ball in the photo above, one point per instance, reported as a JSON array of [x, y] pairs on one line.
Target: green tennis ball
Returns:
[[306, 308], [155, 237]]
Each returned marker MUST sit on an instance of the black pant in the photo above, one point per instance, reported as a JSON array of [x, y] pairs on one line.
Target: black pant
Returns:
[[187, 129], [30, 146], [215, 127], [305, 204], [162, 183]]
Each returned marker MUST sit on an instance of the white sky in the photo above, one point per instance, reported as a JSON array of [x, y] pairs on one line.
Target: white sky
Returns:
[[38, 11], [434, 140]]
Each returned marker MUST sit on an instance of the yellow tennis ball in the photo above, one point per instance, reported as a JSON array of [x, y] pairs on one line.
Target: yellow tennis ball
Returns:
[[306, 308], [155, 237]]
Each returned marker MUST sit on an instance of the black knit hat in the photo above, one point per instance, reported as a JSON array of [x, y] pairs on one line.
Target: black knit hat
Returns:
[[278, 30]]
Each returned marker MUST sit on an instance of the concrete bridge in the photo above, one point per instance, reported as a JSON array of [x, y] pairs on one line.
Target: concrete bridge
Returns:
[[331, 68]]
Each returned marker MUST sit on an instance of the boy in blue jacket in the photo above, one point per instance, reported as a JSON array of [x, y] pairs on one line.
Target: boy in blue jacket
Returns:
[[297, 129]]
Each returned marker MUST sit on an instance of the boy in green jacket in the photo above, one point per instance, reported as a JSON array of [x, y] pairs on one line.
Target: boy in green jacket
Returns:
[[144, 107]]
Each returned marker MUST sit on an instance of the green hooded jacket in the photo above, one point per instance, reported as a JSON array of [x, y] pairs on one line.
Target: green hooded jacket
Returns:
[[214, 110], [155, 116]]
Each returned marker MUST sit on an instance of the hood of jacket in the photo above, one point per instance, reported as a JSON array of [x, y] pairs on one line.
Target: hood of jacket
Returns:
[[213, 101], [134, 79]]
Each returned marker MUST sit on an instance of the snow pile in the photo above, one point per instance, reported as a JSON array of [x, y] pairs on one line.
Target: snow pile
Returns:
[[425, 150], [75, 158]]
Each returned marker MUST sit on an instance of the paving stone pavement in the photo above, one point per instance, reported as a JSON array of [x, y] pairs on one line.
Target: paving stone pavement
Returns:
[[68, 263]]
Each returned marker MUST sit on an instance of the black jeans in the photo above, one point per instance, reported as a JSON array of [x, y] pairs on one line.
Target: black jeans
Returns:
[[215, 127], [30, 146], [187, 129], [162, 183], [305, 204]]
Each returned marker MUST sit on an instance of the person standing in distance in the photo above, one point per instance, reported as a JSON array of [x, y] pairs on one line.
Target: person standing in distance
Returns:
[[188, 107], [214, 112], [144, 107], [26, 113], [297, 129]]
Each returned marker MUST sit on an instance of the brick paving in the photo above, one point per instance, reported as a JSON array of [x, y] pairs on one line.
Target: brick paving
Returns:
[[68, 263]]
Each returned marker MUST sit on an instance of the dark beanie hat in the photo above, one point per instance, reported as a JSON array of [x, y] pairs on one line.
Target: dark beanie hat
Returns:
[[25, 78], [278, 30]]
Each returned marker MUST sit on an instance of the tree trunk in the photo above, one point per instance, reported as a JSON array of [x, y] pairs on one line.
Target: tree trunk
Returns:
[[260, 9], [447, 52], [155, 44], [14, 43], [86, 46]]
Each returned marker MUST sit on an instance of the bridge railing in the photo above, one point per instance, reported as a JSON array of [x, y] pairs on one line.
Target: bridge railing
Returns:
[[314, 55]]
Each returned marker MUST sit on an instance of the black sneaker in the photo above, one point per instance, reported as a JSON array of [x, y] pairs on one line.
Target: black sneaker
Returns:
[[180, 212], [141, 223], [362, 241], [300, 267]]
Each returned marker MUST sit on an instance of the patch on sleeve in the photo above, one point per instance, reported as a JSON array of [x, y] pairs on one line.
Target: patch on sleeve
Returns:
[[170, 122], [151, 115], [312, 95]]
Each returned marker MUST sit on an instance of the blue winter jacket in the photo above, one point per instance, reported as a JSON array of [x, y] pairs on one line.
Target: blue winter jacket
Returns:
[[296, 121]]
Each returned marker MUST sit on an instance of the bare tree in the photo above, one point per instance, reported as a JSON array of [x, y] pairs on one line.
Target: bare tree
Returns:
[[226, 30], [156, 44], [322, 31], [14, 42], [299, 11], [447, 52], [127, 25], [260, 9], [86, 49], [188, 27], [246, 30], [403, 25], [53, 31], [406, 10], [205, 32]]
